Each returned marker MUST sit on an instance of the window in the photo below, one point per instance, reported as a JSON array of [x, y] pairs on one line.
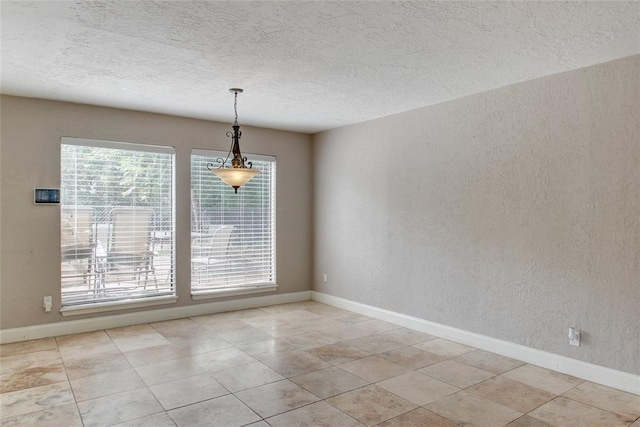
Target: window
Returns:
[[117, 222], [232, 235]]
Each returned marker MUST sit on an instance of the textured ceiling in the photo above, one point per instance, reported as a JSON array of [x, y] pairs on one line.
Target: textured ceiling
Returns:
[[305, 66]]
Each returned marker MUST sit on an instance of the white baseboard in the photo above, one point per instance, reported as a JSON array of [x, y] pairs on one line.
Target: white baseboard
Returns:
[[577, 368], [117, 320]]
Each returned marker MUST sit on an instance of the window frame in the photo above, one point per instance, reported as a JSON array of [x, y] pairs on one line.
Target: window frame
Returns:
[[210, 156], [169, 294]]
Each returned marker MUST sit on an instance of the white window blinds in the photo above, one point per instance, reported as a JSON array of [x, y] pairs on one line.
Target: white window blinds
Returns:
[[117, 221], [232, 235]]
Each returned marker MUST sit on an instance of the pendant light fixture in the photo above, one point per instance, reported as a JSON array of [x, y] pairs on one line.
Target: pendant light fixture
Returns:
[[238, 174]]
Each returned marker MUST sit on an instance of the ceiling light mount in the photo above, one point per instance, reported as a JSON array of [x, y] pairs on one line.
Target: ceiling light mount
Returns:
[[238, 174]]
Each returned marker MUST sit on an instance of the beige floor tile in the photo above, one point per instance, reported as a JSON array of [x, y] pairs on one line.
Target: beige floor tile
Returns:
[[411, 357], [83, 351], [444, 347], [95, 365], [64, 415], [130, 331], [161, 353], [282, 308], [187, 391], [283, 328], [222, 359], [296, 316], [417, 388], [219, 323], [313, 325], [418, 417], [35, 399], [178, 327], [407, 336], [30, 346], [95, 337], [36, 358], [250, 313], [527, 421], [104, 384], [553, 382], [329, 311], [246, 376], [376, 343], [275, 398], [246, 336], [353, 319], [374, 368], [268, 349], [225, 411], [606, 398], [301, 305], [191, 356], [329, 382], [569, 413], [278, 328], [343, 332], [375, 326], [265, 322], [319, 414], [457, 374], [202, 344], [310, 340], [191, 336], [118, 408], [161, 419], [471, 410], [371, 405], [140, 341], [512, 394], [295, 363], [169, 371], [26, 360], [292, 306], [23, 371], [339, 353], [489, 361]]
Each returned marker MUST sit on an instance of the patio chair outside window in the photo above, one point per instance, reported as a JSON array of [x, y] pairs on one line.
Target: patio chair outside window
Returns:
[[131, 243], [211, 250], [77, 245]]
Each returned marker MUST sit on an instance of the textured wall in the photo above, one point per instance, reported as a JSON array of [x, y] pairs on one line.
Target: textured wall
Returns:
[[30, 235], [513, 213]]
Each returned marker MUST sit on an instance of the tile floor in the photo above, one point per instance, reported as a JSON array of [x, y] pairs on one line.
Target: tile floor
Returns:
[[300, 364]]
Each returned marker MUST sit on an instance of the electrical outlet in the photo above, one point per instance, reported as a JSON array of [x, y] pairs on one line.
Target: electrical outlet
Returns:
[[48, 302], [325, 277], [574, 337]]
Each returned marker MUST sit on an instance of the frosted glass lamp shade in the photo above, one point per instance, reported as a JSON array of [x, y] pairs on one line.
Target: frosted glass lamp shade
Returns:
[[236, 177]]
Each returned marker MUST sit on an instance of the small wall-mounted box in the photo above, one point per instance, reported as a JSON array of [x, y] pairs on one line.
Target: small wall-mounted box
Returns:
[[46, 196]]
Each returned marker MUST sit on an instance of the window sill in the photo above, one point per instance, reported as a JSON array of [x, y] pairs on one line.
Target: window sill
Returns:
[[230, 292], [76, 310]]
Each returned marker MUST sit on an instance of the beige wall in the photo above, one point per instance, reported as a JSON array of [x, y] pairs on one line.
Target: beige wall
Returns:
[[30, 153], [513, 213]]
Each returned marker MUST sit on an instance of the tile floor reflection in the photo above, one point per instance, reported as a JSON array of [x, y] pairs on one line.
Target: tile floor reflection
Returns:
[[299, 364]]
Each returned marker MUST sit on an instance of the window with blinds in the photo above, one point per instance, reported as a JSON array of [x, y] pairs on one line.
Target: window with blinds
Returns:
[[117, 222], [232, 235]]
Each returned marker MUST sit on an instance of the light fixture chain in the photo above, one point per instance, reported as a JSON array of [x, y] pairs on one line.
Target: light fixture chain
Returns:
[[235, 108]]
